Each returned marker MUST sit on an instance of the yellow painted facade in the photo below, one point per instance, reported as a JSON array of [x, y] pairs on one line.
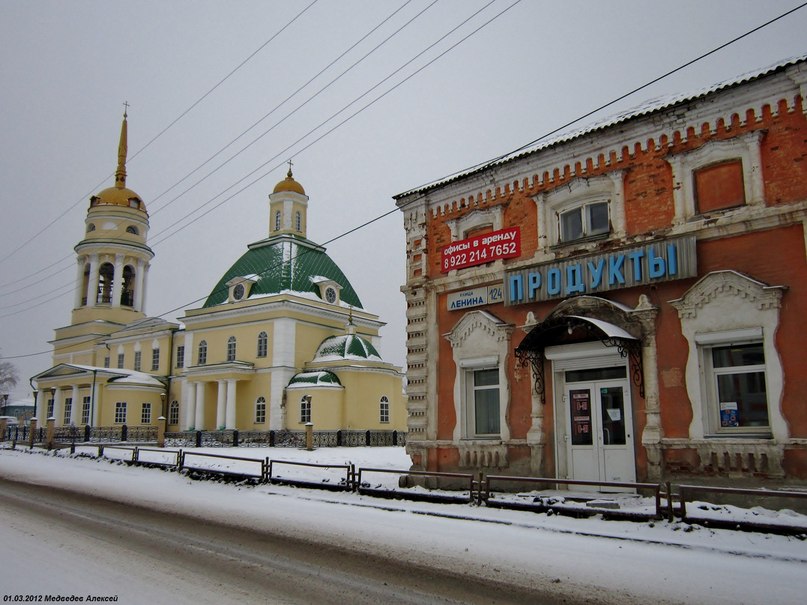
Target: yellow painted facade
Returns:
[[244, 360]]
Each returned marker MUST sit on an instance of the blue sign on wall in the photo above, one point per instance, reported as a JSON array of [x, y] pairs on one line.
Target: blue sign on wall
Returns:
[[635, 266]]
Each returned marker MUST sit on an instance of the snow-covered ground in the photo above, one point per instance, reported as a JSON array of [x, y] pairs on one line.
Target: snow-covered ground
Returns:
[[655, 560]]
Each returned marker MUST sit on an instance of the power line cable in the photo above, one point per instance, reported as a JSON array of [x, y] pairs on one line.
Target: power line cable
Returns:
[[162, 132]]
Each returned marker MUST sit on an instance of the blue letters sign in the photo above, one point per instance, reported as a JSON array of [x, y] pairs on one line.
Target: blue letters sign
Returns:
[[635, 266]]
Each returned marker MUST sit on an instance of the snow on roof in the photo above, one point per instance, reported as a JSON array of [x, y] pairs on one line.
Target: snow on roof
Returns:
[[346, 346], [645, 108]]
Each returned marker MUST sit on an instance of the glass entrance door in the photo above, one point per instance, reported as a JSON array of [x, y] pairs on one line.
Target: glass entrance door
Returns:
[[599, 442]]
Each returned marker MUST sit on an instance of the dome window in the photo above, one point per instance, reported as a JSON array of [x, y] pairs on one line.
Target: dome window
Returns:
[[134, 203], [90, 227], [133, 230]]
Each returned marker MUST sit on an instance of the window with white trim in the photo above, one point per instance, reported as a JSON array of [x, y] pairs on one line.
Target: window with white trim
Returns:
[[181, 356], [155, 359], [260, 410], [137, 361], [173, 413], [120, 412], [85, 410], [121, 360], [586, 220], [383, 410], [68, 408], [231, 348], [145, 414], [736, 387], [50, 408], [202, 358], [483, 402], [305, 409], [263, 344]]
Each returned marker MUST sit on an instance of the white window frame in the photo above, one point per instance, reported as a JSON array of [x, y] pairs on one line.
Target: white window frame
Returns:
[[260, 410], [383, 410], [68, 409], [710, 375], [587, 231], [479, 340], [138, 360], [722, 308], [231, 348], [85, 409], [155, 359], [471, 399], [580, 192], [305, 409], [263, 344], [120, 412], [145, 413], [201, 354], [181, 356], [173, 412]]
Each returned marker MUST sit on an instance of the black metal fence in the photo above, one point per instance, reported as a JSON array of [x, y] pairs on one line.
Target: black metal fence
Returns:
[[284, 438]]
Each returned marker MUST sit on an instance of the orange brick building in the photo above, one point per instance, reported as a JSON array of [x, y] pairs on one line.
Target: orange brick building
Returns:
[[621, 303]]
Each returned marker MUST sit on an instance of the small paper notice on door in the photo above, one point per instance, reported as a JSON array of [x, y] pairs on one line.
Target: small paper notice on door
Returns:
[[615, 414]]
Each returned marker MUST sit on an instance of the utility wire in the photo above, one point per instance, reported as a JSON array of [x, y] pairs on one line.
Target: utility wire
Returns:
[[479, 166], [162, 132]]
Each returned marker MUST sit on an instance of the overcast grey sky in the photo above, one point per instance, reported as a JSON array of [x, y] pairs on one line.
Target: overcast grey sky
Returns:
[[67, 67]]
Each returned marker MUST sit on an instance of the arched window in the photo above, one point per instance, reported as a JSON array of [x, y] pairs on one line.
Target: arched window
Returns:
[[305, 408], [277, 220], [202, 353], [133, 230], [263, 344], [298, 221], [90, 227], [231, 348], [383, 410], [173, 413], [106, 275], [127, 291], [260, 410]]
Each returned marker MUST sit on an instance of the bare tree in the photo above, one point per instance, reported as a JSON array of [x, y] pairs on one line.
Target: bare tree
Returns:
[[8, 376]]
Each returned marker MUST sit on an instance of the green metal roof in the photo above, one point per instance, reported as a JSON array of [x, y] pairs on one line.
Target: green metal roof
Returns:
[[346, 346], [284, 263], [320, 377]]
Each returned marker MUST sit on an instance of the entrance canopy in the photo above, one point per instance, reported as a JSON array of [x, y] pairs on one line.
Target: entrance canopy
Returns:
[[566, 329]]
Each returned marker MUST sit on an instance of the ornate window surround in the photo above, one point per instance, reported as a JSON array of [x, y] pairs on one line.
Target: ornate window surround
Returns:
[[579, 192], [725, 307], [479, 341], [746, 148]]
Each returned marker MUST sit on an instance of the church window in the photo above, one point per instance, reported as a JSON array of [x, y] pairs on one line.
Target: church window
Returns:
[[173, 413], [68, 409], [134, 202], [155, 359], [121, 360], [231, 348], [277, 220], [145, 414], [50, 408], [127, 291], [133, 230], [90, 227], [263, 345], [260, 410], [384, 410], [202, 353], [85, 410], [137, 361], [120, 412], [181, 356], [106, 361], [298, 221], [106, 275], [305, 409], [84, 282]]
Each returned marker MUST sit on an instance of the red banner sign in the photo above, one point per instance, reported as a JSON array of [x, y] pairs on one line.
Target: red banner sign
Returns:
[[481, 249]]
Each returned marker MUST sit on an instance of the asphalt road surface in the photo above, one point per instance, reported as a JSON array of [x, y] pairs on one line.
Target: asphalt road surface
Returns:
[[59, 543]]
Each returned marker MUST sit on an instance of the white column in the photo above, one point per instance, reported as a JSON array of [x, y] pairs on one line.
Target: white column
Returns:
[[117, 283], [189, 409], [41, 402], [95, 406], [92, 283], [58, 412], [74, 411], [231, 384], [220, 403], [139, 284], [143, 289], [79, 283], [200, 406]]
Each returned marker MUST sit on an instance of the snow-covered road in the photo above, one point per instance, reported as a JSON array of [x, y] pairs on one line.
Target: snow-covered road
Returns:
[[579, 560]]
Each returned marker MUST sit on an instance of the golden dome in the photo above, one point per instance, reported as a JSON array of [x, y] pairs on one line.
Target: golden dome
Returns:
[[289, 184], [118, 196]]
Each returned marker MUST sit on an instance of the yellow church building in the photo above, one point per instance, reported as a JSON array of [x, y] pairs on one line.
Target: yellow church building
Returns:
[[282, 339]]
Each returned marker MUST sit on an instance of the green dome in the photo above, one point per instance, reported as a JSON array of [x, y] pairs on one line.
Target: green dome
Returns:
[[318, 378], [285, 264], [346, 346]]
